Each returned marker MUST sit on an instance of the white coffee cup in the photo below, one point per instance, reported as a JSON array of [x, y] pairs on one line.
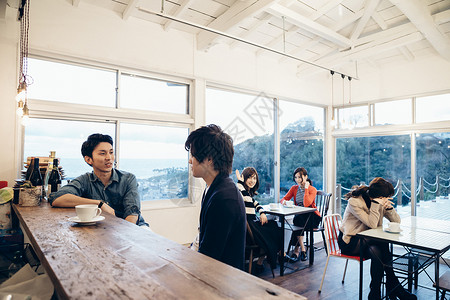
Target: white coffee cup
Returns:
[[273, 205], [290, 203], [87, 212], [394, 226]]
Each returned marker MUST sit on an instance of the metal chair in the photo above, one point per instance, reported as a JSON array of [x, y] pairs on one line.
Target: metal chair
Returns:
[[322, 203], [331, 229]]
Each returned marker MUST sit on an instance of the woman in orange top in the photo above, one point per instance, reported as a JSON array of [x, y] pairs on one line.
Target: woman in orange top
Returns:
[[304, 194]]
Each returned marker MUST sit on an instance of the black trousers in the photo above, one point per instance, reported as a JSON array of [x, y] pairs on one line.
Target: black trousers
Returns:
[[380, 261]]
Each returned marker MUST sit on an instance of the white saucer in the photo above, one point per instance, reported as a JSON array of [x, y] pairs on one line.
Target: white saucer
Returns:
[[93, 221], [276, 208], [286, 206], [391, 231]]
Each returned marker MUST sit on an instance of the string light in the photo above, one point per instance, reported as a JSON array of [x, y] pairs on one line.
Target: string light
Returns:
[[22, 96]]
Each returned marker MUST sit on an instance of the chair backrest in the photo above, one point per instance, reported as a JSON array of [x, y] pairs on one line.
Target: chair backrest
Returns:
[[250, 239], [331, 224], [322, 203]]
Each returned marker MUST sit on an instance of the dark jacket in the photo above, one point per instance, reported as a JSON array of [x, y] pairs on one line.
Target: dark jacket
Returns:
[[222, 223]]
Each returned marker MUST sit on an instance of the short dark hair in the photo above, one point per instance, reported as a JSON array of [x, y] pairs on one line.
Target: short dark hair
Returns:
[[212, 142], [302, 172], [247, 173], [92, 141]]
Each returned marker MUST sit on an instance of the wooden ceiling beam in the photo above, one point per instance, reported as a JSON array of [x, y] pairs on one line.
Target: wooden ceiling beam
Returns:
[[239, 11], [419, 14], [309, 25], [130, 9], [369, 9], [183, 6]]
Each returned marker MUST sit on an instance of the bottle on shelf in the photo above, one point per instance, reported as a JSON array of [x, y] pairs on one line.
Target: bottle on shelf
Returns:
[[36, 177], [54, 180], [29, 169], [48, 171]]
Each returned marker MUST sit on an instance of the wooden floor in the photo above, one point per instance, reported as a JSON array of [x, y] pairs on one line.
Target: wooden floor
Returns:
[[306, 282]]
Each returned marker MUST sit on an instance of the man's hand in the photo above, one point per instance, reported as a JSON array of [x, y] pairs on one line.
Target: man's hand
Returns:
[[108, 209]]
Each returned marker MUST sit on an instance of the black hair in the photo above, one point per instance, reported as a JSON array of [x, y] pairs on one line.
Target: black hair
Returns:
[[211, 142], [247, 173], [378, 187], [302, 172], [92, 141]]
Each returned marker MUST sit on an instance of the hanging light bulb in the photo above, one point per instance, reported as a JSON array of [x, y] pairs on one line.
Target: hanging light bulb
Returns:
[[26, 115], [19, 110], [333, 119], [21, 91]]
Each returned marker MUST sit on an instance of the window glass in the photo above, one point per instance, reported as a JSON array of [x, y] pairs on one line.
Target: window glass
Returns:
[[64, 137], [360, 159], [301, 143], [433, 108], [433, 174], [148, 94], [393, 112], [351, 117], [248, 119], [61, 82], [156, 155]]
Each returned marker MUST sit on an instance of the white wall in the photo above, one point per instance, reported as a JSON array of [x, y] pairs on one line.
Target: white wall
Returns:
[[93, 34]]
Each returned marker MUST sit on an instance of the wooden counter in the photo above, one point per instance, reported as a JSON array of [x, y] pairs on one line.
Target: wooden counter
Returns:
[[115, 259]]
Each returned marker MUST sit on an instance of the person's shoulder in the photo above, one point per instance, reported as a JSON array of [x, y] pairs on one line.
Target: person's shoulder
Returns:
[[124, 174], [356, 201]]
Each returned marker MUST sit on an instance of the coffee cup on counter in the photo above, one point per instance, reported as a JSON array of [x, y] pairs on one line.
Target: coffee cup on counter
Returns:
[[273, 205], [87, 212], [394, 226]]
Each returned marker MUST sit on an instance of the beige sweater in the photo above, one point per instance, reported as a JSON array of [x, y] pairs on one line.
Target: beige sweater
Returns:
[[358, 217]]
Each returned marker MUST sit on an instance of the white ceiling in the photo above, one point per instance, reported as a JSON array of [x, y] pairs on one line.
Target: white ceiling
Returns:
[[336, 34]]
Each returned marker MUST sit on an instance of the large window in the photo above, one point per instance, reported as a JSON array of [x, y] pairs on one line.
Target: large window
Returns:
[[301, 143], [433, 108], [249, 119], [433, 174], [157, 157], [360, 159], [393, 112], [148, 116], [145, 93], [387, 153], [64, 137], [62, 82]]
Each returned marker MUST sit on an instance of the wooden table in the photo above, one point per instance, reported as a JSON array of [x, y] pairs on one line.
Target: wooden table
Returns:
[[417, 233], [115, 259], [282, 212]]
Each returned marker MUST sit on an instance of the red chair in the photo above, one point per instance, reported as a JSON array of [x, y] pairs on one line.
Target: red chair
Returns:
[[331, 227]]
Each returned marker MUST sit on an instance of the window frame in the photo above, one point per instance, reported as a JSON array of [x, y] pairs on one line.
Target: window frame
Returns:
[[78, 112]]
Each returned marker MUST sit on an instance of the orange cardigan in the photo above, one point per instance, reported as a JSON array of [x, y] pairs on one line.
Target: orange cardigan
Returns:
[[309, 200]]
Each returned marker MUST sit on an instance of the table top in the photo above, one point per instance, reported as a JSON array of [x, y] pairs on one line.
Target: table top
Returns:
[[412, 235], [118, 260], [282, 210], [427, 223]]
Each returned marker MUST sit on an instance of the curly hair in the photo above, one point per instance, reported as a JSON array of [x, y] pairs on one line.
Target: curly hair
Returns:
[[211, 142]]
